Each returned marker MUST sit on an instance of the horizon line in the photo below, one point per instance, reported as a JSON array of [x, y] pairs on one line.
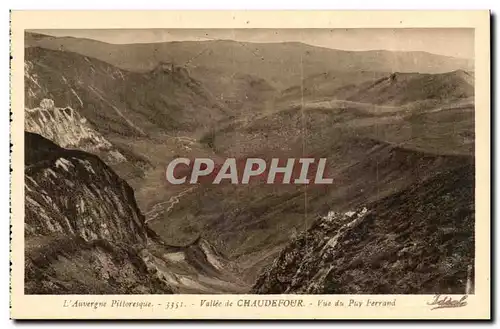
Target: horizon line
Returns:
[[207, 39]]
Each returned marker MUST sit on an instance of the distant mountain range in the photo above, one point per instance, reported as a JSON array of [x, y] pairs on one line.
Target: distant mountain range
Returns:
[[281, 64]]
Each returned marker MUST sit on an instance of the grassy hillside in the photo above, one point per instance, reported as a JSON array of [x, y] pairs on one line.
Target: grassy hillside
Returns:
[[401, 88], [116, 101], [379, 88]]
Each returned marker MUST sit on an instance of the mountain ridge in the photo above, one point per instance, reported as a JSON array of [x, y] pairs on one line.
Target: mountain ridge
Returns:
[[277, 63], [37, 35]]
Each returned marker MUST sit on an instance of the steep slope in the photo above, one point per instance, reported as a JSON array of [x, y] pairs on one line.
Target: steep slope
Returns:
[[278, 63], [116, 101], [408, 90], [85, 234], [403, 88], [328, 84], [239, 92], [82, 226], [417, 241]]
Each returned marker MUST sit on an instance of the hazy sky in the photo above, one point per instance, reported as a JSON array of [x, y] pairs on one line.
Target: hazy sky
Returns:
[[445, 41]]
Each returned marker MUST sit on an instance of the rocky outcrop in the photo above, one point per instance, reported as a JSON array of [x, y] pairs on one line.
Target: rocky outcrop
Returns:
[[73, 265], [83, 229], [67, 128], [418, 241], [84, 234], [194, 268], [74, 192]]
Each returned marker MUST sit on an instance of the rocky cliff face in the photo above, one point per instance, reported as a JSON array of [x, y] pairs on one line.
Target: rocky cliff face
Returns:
[[59, 107], [84, 233], [67, 128], [418, 241], [84, 196], [83, 230]]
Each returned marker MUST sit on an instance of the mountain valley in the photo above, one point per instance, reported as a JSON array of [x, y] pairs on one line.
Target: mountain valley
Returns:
[[103, 121]]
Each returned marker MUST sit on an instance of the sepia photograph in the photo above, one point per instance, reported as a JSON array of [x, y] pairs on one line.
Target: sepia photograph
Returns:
[[251, 161]]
